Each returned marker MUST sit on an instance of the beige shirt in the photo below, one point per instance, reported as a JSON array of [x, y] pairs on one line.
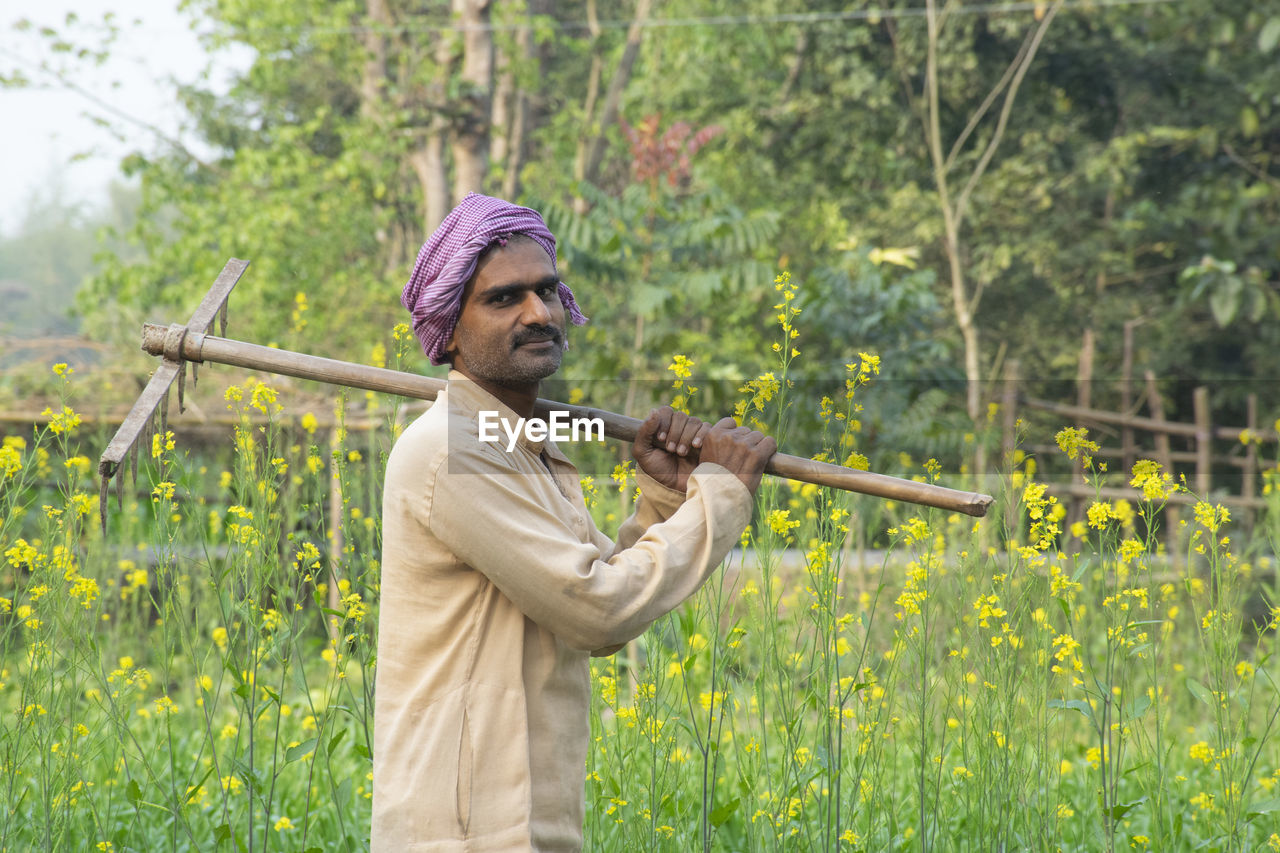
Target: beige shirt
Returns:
[[495, 587]]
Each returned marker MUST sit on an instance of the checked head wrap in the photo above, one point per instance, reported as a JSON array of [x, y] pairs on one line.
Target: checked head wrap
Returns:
[[448, 259]]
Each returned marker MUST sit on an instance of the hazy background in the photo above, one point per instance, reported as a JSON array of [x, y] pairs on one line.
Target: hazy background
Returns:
[[51, 145]]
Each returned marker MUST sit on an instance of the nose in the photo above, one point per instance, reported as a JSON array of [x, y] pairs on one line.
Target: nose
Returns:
[[534, 311]]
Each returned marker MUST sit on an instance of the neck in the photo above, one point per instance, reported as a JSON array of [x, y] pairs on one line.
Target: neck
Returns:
[[519, 397]]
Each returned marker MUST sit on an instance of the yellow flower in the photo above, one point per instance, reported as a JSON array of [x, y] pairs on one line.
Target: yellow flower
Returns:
[[1211, 517], [282, 824], [1074, 442], [1155, 486], [161, 443], [779, 521], [298, 316], [63, 421], [10, 460], [1099, 513], [20, 554], [263, 398], [1130, 550], [681, 366]]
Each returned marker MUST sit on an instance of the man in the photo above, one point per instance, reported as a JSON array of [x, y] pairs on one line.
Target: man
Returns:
[[496, 585]]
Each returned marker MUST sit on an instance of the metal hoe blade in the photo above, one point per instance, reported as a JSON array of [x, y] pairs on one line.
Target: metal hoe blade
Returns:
[[137, 426]]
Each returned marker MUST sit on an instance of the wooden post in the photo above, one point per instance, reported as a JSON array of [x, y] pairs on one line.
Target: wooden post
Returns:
[[1084, 399], [1164, 455], [1204, 442], [1126, 396], [1251, 449], [336, 519], [1009, 433]]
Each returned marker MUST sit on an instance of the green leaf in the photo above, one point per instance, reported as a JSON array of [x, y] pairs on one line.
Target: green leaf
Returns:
[[1138, 707], [344, 792], [293, 753], [1269, 37], [1249, 123], [336, 739], [1074, 705], [724, 811], [1265, 807], [1199, 691], [133, 792], [195, 789], [1224, 302], [1119, 810]]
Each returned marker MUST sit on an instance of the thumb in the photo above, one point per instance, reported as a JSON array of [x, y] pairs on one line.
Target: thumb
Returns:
[[649, 428]]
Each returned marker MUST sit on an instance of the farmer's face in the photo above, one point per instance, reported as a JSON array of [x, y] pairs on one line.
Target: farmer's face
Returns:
[[511, 329]]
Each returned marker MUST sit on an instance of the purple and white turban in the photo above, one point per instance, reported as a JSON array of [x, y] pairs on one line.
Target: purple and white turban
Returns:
[[447, 261]]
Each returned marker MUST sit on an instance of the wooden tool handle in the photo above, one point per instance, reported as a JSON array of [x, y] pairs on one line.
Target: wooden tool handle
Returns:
[[200, 347]]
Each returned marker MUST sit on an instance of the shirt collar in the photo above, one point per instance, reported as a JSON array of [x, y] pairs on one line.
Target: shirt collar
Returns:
[[468, 398]]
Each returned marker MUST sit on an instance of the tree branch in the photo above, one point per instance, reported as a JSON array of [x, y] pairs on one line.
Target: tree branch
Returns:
[[1230, 151], [69, 84], [613, 96], [962, 201], [982, 109]]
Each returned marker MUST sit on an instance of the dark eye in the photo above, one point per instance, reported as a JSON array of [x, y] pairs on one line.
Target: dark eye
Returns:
[[546, 291], [500, 299]]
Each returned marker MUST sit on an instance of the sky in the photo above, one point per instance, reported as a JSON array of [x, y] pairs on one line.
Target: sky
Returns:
[[48, 132]]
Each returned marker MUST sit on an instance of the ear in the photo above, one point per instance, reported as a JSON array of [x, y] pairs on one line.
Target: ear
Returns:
[[451, 346]]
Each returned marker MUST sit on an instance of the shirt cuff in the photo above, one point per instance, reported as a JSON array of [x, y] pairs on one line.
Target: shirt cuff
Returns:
[[664, 501]]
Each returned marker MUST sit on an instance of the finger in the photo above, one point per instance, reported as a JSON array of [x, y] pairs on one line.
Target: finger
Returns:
[[686, 436], [674, 430], [726, 423], [703, 429], [654, 429]]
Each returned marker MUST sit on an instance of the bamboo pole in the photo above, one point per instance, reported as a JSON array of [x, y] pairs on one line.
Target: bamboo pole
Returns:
[[198, 347], [1204, 441]]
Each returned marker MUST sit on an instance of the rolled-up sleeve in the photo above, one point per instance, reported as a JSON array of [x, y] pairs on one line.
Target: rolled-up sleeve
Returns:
[[566, 581]]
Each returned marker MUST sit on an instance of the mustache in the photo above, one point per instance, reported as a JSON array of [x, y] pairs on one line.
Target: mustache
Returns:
[[538, 332]]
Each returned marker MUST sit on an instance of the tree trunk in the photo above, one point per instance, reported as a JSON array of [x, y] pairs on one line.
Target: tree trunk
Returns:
[[471, 133], [429, 165], [589, 103], [594, 150], [523, 113], [373, 77], [502, 114]]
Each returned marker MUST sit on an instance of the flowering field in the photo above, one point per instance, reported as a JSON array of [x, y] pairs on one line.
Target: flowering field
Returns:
[[201, 676]]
